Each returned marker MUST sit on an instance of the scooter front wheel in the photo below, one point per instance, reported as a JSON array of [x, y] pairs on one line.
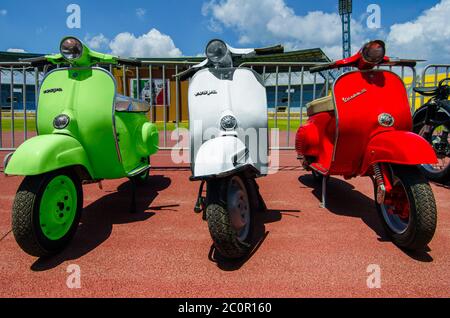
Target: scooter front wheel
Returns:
[[229, 216], [409, 211], [46, 212]]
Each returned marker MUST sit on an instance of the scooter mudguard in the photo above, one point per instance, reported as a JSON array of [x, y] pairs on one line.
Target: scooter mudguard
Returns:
[[398, 147], [47, 153], [220, 157]]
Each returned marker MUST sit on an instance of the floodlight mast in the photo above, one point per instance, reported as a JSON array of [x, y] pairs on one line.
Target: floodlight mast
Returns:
[[345, 11]]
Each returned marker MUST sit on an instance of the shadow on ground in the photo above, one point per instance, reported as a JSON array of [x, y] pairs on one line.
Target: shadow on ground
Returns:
[[356, 205], [98, 219]]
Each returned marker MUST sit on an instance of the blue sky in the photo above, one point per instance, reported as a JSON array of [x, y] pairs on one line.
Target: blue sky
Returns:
[[183, 27]]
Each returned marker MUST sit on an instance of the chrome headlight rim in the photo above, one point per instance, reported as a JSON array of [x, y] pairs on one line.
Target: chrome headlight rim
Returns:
[[366, 52], [71, 56], [218, 59]]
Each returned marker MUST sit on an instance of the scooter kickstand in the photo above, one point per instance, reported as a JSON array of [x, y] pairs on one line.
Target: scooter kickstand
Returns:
[[323, 205], [133, 197], [200, 205]]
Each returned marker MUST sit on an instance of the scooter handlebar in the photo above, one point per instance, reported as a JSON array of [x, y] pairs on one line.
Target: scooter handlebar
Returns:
[[36, 61], [320, 68], [129, 62]]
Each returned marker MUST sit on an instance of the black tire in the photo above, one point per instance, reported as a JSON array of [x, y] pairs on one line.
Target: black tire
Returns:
[[25, 215], [422, 206], [438, 176], [223, 234]]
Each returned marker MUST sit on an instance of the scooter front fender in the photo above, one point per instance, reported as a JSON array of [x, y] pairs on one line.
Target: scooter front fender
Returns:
[[398, 147], [220, 157], [47, 153]]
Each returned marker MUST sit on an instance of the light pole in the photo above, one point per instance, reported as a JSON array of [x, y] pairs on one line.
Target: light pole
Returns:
[[345, 11]]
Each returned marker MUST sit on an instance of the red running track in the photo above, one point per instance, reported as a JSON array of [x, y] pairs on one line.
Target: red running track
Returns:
[[163, 250]]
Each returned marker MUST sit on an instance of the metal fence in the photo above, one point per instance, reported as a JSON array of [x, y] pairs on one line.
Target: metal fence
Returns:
[[290, 86], [432, 74]]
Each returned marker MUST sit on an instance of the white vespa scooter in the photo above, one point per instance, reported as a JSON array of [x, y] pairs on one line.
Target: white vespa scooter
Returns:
[[229, 145]]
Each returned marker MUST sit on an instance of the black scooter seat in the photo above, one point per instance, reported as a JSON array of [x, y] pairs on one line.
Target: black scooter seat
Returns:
[[426, 91]]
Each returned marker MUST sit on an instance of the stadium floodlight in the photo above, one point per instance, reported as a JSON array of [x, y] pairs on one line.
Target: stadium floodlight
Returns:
[[345, 7]]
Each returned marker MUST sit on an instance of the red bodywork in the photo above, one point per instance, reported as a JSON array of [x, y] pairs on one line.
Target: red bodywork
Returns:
[[350, 140]]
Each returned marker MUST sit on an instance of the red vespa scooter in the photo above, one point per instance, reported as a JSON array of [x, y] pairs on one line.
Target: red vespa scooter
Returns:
[[364, 129]]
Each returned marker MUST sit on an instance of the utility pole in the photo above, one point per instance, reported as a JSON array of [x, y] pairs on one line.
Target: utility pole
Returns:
[[345, 11]]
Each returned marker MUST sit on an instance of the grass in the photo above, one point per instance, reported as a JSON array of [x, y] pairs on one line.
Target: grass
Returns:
[[282, 124]]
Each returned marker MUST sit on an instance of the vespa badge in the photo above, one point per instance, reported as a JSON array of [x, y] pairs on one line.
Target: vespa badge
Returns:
[[386, 120]]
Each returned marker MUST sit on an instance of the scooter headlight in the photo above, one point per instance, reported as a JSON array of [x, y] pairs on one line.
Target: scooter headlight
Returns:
[[228, 123], [216, 51], [61, 121], [71, 48], [374, 52]]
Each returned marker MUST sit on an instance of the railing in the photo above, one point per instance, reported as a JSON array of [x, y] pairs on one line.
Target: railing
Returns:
[[290, 87], [436, 76]]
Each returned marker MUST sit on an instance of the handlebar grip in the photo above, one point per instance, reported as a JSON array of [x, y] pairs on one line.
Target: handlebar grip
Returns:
[[319, 68]]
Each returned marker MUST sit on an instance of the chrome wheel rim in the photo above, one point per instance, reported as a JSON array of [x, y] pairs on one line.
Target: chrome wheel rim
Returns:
[[396, 222], [239, 208]]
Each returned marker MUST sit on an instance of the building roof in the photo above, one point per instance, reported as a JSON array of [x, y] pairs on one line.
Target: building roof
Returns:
[[15, 57], [274, 54]]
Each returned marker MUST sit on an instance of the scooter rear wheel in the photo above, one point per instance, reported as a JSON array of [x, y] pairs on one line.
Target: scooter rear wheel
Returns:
[[229, 215], [46, 212], [440, 172], [409, 212]]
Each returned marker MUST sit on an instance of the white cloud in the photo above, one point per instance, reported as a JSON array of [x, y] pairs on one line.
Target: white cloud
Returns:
[[97, 42], [427, 37], [141, 12], [12, 50], [3, 12], [271, 21], [151, 44]]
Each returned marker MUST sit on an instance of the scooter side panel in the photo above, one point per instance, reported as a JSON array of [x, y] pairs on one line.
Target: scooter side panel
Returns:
[[87, 97], [361, 97], [135, 147]]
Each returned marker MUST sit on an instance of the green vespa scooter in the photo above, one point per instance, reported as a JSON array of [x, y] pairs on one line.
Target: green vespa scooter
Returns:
[[86, 133]]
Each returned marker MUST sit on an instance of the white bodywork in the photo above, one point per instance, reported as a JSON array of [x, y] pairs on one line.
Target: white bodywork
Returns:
[[213, 94]]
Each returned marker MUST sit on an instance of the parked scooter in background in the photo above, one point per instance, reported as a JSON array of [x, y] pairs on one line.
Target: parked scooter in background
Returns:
[[432, 122], [86, 133], [364, 129], [225, 103]]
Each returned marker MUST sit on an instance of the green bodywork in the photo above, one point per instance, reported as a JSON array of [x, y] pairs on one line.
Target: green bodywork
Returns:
[[108, 144]]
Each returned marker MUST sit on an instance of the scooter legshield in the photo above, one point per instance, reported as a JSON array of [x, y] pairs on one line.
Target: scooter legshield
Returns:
[[221, 156], [47, 153], [398, 147]]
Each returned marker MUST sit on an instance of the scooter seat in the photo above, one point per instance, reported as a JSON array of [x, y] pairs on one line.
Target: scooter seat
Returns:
[[321, 105], [426, 91]]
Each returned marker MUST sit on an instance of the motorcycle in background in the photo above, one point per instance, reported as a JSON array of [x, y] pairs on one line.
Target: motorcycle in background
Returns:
[[86, 133], [226, 102], [432, 122], [365, 129]]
